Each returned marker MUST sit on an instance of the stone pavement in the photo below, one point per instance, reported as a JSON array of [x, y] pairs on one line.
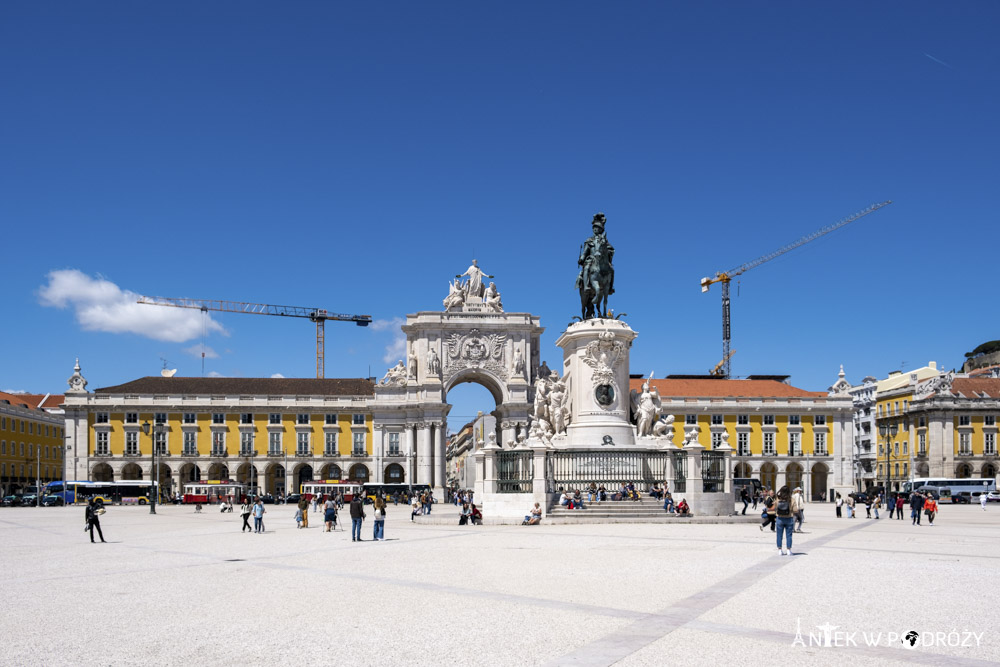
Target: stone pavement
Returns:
[[181, 588]]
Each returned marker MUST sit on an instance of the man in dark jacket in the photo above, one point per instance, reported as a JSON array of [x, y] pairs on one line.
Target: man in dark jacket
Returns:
[[745, 497], [93, 519], [357, 516], [916, 505], [304, 506]]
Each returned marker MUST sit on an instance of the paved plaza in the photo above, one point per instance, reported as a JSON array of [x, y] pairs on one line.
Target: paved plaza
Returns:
[[181, 588]]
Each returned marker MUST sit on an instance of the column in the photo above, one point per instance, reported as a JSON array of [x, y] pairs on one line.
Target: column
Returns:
[[440, 465], [411, 454], [424, 470]]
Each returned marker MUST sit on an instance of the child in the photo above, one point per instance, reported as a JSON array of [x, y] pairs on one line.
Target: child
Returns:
[[298, 518]]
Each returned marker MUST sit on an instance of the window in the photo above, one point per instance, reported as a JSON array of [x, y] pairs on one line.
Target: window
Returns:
[[716, 440], [331, 444], [906, 448], [273, 443], [359, 444], [989, 420], [716, 420], [906, 404], [795, 444], [46, 430], [302, 448], [131, 443], [768, 420], [218, 418], [881, 450], [3, 466], [690, 420], [274, 418], [965, 444], [246, 418], [921, 422], [895, 407], [3, 446], [819, 420], [22, 449], [46, 451], [896, 449], [394, 444], [101, 418], [190, 443], [101, 446], [794, 420], [897, 471], [906, 469], [302, 420], [990, 444], [358, 420], [330, 420], [160, 418], [219, 443], [3, 423], [246, 444], [31, 428], [769, 444], [22, 426], [160, 438], [743, 444], [964, 420], [922, 445], [189, 418], [742, 420], [880, 470], [819, 445], [131, 417]]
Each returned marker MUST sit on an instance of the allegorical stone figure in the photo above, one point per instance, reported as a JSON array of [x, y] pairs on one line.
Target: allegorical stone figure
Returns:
[[596, 280], [433, 362], [474, 287]]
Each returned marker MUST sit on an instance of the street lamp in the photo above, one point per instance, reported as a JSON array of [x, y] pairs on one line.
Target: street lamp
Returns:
[[888, 432], [154, 474]]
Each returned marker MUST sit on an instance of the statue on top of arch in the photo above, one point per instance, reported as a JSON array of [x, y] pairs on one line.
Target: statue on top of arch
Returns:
[[471, 294]]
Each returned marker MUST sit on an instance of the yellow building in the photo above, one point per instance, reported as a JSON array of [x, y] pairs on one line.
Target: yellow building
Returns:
[[31, 440], [779, 434], [273, 433]]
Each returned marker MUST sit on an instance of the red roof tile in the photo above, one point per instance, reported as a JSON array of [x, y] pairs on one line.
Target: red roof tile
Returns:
[[698, 388], [975, 387]]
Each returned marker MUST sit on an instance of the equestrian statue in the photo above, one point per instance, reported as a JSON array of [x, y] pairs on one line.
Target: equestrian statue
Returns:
[[596, 280]]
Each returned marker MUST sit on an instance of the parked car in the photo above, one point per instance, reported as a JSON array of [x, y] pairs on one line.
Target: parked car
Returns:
[[860, 497], [12, 500], [293, 498], [53, 501], [28, 501], [961, 497], [267, 498], [993, 497]]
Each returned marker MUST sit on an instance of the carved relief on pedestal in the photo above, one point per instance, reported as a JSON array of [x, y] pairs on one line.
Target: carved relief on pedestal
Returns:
[[602, 356], [476, 350]]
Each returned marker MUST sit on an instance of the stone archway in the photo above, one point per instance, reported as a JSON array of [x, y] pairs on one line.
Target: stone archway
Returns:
[[244, 476], [218, 471], [274, 480], [190, 473], [131, 471], [359, 473], [793, 475], [922, 469], [102, 473], [818, 482], [769, 475], [394, 474], [742, 471], [331, 471], [963, 471], [989, 471]]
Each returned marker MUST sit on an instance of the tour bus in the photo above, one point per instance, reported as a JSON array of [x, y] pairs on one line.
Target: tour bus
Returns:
[[753, 485], [213, 491], [125, 492], [326, 487], [969, 484]]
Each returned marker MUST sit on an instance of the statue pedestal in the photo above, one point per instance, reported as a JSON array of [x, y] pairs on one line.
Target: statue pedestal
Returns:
[[596, 364]]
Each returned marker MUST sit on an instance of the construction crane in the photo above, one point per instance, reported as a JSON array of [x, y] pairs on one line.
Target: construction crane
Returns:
[[717, 369], [726, 277], [317, 315]]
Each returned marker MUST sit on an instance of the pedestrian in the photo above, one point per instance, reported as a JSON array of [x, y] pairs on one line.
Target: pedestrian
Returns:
[[784, 519], [245, 509], [379, 512], [258, 516], [357, 516], [868, 506], [92, 516], [298, 518], [798, 509], [304, 508], [330, 513], [891, 502], [769, 511], [916, 506], [745, 497], [983, 497], [850, 507], [317, 499], [840, 504], [876, 504], [756, 499], [899, 506], [416, 510], [930, 509]]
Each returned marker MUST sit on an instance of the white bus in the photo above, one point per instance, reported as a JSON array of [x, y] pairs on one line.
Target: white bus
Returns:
[[970, 484]]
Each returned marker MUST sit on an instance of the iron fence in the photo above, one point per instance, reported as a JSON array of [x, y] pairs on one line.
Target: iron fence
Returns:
[[612, 469], [680, 472], [713, 471], [515, 471]]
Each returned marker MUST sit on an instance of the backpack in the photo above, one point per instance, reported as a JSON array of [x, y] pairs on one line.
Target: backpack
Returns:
[[784, 508]]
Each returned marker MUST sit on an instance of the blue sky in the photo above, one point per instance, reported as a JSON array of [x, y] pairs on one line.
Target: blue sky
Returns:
[[354, 156]]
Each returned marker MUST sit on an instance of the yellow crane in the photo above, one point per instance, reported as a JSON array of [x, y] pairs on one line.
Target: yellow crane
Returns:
[[725, 277], [317, 315]]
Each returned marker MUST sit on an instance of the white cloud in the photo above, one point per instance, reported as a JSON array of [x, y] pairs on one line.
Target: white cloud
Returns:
[[100, 305], [277, 375], [198, 348], [397, 348], [13, 391], [215, 374]]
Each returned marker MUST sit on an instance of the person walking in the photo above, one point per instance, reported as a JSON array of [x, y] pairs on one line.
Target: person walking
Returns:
[[982, 500], [930, 509], [92, 516], [379, 531], [745, 497], [258, 516], [357, 516], [798, 508], [330, 513], [769, 511], [850, 507], [899, 506], [868, 505], [840, 504], [785, 520], [245, 510], [304, 508], [891, 502], [756, 499], [876, 504], [916, 505]]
